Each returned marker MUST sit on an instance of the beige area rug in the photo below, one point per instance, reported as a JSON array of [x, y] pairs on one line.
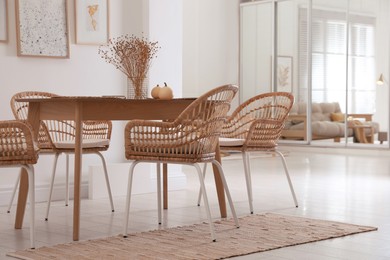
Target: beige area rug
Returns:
[[257, 233]]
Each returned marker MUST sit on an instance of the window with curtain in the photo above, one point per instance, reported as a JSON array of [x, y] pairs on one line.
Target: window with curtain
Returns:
[[329, 59]]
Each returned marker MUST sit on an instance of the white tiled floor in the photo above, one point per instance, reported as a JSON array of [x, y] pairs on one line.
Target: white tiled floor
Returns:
[[347, 188]]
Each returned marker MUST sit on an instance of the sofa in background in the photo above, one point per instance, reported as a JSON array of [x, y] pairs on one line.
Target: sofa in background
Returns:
[[328, 122]]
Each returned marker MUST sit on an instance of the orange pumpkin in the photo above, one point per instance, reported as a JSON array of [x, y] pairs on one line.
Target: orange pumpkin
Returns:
[[155, 91], [165, 92]]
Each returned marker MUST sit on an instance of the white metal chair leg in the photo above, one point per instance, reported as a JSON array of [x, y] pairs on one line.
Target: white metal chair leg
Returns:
[[67, 181], [51, 185], [222, 175], [288, 177], [129, 186], [13, 193], [107, 180], [248, 179], [204, 176], [159, 193], [206, 201]]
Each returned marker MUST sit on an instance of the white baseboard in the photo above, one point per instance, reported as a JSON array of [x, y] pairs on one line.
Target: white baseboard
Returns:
[[95, 188], [144, 180], [42, 193]]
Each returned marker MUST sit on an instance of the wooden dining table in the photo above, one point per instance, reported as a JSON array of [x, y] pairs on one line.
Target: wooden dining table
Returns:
[[81, 108]]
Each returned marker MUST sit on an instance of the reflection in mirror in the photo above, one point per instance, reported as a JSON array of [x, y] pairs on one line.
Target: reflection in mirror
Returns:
[[331, 65]]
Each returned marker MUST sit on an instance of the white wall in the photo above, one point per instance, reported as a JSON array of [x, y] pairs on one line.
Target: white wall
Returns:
[[85, 73], [382, 59], [203, 57], [167, 67], [210, 45]]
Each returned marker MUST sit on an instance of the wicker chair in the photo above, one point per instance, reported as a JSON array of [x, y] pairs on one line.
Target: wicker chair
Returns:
[[255, 126], [58, 136], [17, 149], [190, 139]]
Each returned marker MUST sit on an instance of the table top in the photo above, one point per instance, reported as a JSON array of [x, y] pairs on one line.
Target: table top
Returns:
[[107, 108], [119, 99]]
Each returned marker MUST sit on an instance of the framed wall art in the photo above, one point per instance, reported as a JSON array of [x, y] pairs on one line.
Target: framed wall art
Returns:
[[3, 21], [92, 21], [42, 28], [285, 73]]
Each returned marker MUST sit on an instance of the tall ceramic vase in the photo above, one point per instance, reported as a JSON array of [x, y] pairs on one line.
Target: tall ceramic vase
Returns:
[[137, 88]]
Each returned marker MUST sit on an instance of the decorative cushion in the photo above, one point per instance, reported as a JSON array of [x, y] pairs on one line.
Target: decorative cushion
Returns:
[[337, 117], [223, 141], [87, 143]]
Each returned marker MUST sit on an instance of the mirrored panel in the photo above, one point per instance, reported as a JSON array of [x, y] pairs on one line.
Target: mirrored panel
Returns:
[[333, 55], [292, 65]]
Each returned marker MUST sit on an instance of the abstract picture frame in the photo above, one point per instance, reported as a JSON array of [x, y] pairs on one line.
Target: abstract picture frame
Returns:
[[4, 21], [42, 28], [284, 73], [92, 21]]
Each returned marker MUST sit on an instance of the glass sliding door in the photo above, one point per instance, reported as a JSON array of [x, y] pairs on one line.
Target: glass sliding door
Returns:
[[291, 73], [327, 91], [361, 101]]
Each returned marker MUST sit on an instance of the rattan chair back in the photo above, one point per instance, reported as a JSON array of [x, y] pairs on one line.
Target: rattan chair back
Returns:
[[20, 111], [52, 131], [191, 137], [259, 120]]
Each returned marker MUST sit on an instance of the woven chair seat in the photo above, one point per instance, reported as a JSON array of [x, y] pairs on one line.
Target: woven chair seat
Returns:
[[223, 141]]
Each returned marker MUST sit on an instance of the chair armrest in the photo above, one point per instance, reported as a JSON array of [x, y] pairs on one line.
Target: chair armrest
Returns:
[[297, 118], [366, 117], [152, 133], [16, 142], [148, 126], [165, 138]]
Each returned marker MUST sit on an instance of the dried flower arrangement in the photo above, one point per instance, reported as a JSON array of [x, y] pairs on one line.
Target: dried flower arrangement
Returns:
[[132, 55]]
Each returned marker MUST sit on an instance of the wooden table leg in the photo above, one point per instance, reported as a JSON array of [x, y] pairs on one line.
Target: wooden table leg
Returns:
[[33, 119], [372, 133], [165, 185], [219, 185], [77, 173], [22, 199]]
